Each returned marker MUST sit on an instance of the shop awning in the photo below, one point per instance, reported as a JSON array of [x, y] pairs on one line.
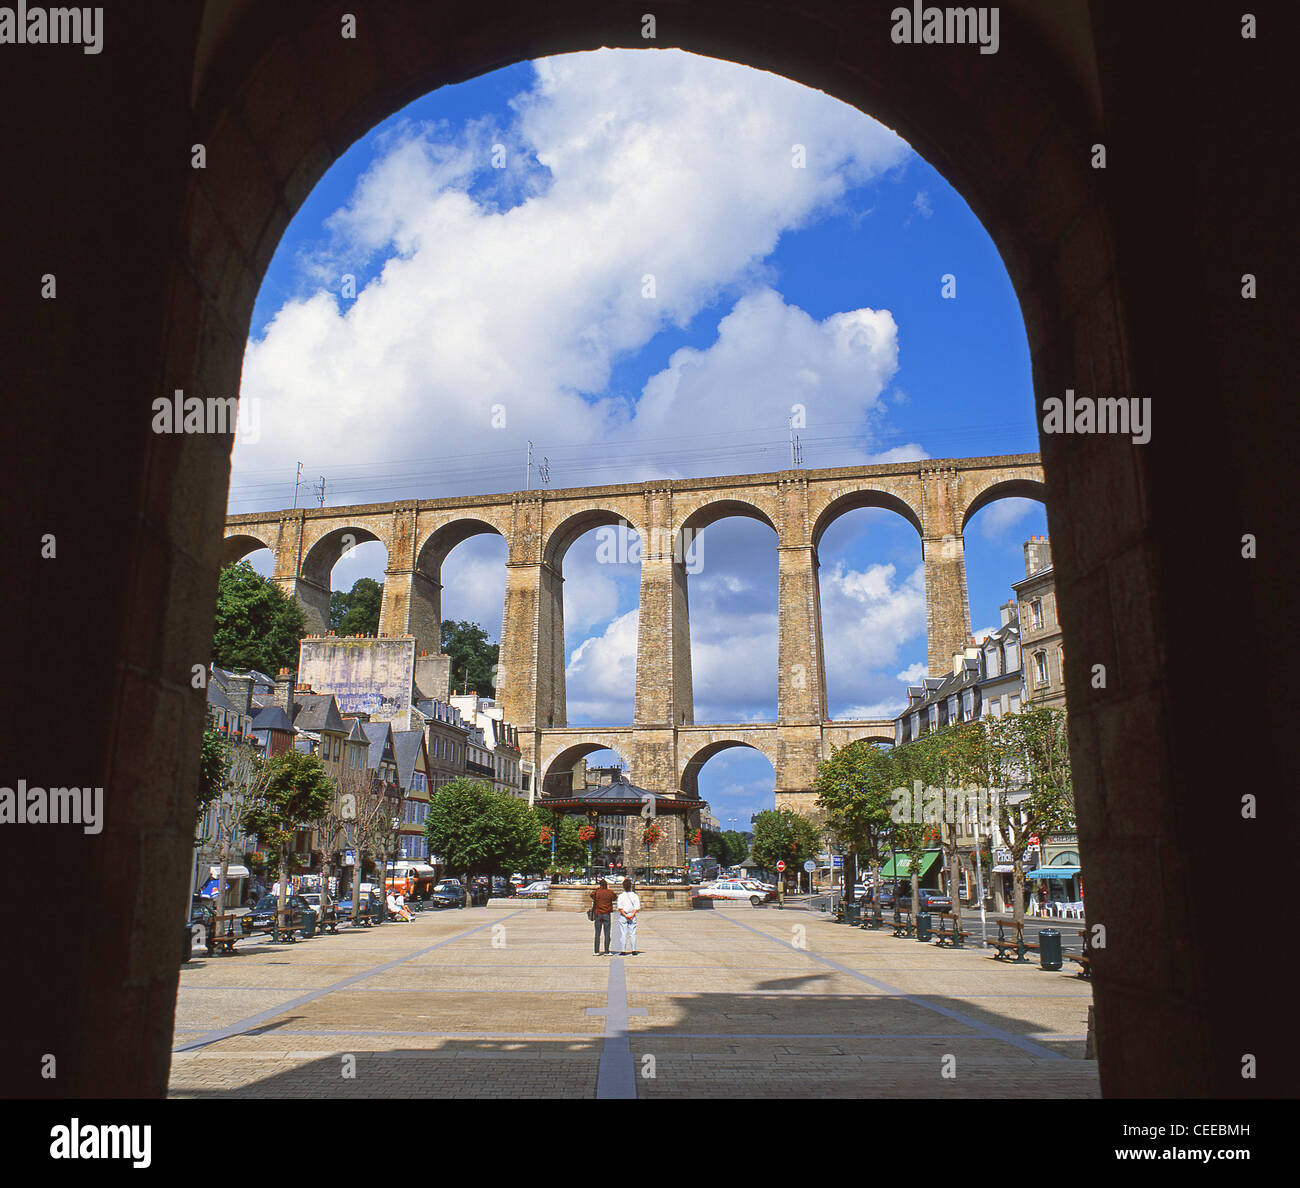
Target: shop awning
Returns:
[[928, 859], [232, 872], [1054, 872], [1004, 868]]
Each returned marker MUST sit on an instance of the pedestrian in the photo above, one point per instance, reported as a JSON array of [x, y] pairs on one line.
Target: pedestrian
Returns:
[[602, 904], [629, 903]]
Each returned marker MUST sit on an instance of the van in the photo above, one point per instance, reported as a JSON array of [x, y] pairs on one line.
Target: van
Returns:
[[414, 880]]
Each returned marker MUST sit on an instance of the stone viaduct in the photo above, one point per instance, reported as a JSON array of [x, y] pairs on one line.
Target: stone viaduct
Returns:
[[663, 744]]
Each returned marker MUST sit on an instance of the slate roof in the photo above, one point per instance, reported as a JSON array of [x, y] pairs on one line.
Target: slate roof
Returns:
[[318, 711], [624, 792], [218, 700], [379, 735], [272, 717], [356, 734], [406, 750]]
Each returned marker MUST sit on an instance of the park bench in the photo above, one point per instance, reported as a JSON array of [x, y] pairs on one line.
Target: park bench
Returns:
[[950, 936], [902, 924], [1084, 959], [1015, 943], [222, 936]]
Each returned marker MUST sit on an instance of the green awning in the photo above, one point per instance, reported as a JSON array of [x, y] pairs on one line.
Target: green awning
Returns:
[[928, 859]]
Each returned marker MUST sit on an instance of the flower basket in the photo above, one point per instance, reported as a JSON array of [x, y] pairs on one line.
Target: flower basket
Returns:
[[586, 833], [696, 837], [652, 834], [544, 836]]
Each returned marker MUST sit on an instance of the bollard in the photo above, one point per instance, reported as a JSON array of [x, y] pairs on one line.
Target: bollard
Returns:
[[1049, 948], [923, 926]]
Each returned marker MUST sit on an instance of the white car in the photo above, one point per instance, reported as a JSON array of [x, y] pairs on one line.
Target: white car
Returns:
[[733, 889], [541, 888]]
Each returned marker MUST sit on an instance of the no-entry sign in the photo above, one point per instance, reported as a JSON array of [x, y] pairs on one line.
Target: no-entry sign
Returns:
[[780, 866]]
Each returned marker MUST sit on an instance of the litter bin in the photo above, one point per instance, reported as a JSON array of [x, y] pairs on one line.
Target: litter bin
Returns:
[[308, 925], [1049, 948], [923, 926], [852, 913]]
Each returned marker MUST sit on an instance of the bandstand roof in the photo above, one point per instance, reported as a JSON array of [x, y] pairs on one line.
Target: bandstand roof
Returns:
[[622, 797]]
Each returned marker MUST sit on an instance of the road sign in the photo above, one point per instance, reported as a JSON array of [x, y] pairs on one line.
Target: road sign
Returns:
[[780, 866], [837, 861], [810, 866]]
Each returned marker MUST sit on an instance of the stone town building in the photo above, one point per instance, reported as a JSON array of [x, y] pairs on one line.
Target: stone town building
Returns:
[[511, 773], [411, 756], [446, 736], [1040, 627]]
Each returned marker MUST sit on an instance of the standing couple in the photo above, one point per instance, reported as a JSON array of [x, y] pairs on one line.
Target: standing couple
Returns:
[[628, 904]]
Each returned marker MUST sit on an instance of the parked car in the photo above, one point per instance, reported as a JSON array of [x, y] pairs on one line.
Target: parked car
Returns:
[[448, 894], [734, 889], [478, 892], [503, 888], [765, 889], [538, 890], [886, 893], [324, 907], [202, 916], [301, 918], [930, 900], [370, 906]]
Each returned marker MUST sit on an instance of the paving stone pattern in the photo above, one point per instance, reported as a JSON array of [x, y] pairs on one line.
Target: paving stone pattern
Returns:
[[513, 1004]]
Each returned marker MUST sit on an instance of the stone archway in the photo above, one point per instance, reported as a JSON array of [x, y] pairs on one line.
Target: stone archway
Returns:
[[158, 279]]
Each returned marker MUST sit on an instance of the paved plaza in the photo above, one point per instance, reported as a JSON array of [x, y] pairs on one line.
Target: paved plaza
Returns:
[[510, 1002]]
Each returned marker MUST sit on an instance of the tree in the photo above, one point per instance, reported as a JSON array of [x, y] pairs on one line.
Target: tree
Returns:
[[1030, 755], [357, 612], [247, 774], [473, 657], [737, 848], [258, 625], [295, 793], [476, 830], [363, 815], [214, 763], [906, 836], [935, 760], [784, 834], [853, 790]]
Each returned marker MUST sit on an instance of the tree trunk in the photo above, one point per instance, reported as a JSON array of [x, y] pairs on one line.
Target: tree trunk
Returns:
[[850, 874], [283, 899], [1017, 888]]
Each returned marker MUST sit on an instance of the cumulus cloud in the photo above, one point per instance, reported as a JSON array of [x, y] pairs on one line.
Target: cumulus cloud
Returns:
[[494, 304], [996, 519]]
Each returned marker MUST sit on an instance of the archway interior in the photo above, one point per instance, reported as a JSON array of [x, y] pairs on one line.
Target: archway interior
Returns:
[[599, 557], [583, 764], [730, 558], [736, 779], [872, 585]]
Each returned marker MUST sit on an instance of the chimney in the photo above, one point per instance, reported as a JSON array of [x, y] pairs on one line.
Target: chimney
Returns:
[[958, 658], [1009, 611], [1038, 555], [284, 692], [239, 689]]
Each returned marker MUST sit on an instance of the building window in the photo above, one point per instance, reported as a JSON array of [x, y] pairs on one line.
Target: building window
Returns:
[[1015, 703], [968, 707], [1036, 613], [1040, 668], [991, 662], [1013, 657]]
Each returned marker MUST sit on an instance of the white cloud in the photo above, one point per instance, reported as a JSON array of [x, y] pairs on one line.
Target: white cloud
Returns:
[[921, 204], [628, 163], [996, 519], [913, 673], [605, 667]]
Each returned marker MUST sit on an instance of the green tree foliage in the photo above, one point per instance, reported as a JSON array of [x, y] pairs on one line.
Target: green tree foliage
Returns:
[[853, 790], [214, 762], [473, 657], [737, 848], [476, 830], [296, 792], [258, 625], [784, 834], [357, 612]]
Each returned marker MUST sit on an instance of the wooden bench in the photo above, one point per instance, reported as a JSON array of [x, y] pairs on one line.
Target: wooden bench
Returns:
[[1084, 959], [222, 936], [902, 924], [951, 936], [1016, 943]]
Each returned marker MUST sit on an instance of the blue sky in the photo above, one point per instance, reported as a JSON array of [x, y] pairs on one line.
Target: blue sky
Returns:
[[523, 288]]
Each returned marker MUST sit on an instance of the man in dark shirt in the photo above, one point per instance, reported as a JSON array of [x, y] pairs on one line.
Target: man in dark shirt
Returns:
[[602, 904]]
